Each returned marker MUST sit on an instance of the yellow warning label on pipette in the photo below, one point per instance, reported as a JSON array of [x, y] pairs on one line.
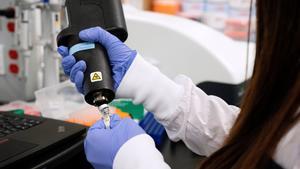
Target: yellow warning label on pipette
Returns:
[[96, 76]]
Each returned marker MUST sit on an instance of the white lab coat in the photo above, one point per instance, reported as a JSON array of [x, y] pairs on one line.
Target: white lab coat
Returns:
[[202, 122]]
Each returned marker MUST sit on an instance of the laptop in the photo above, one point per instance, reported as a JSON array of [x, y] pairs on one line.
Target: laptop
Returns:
[[36, 142]]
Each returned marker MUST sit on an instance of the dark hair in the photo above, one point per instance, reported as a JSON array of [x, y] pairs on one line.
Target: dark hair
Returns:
[[272, 100]]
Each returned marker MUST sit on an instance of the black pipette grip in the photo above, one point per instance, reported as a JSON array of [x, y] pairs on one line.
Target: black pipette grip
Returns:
[[98, 76], [83, 14]]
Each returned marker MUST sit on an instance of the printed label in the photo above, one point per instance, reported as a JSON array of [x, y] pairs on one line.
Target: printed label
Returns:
[[96, 76]]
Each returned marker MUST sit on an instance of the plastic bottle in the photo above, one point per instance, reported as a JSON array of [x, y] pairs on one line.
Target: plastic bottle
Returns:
[[238, 22], [193, 9], [216, 13]]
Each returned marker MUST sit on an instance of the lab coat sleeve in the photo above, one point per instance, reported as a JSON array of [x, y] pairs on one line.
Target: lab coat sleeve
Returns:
[[140, 153], [186, 112], [287, 153]]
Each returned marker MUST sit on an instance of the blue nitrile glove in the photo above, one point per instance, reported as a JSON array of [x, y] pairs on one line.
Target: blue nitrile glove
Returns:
[[101, 145], [120, 56]]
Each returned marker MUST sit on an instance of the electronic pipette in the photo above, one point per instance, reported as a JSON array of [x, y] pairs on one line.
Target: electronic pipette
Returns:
[[83, 14]]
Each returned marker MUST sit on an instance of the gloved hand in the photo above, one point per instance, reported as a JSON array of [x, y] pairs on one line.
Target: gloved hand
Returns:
[[120, 56], [101, 145]]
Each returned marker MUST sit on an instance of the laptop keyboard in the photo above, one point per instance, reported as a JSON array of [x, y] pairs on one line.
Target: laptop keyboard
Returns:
[[10, 124]]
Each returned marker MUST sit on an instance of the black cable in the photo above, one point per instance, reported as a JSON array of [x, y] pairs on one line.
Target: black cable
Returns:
[[248, 40]]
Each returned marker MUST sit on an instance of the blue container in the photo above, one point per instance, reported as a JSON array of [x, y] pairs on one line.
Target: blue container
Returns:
[[153, 128]]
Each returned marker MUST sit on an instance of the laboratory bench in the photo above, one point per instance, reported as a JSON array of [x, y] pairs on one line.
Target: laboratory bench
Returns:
[[177, 155]]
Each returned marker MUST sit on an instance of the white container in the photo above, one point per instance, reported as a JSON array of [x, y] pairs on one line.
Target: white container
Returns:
[[216, 13], [216, 6], [239, 8], [192, 5]]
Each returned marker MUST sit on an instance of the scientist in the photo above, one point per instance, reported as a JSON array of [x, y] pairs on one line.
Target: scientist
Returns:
[[264, 133]]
